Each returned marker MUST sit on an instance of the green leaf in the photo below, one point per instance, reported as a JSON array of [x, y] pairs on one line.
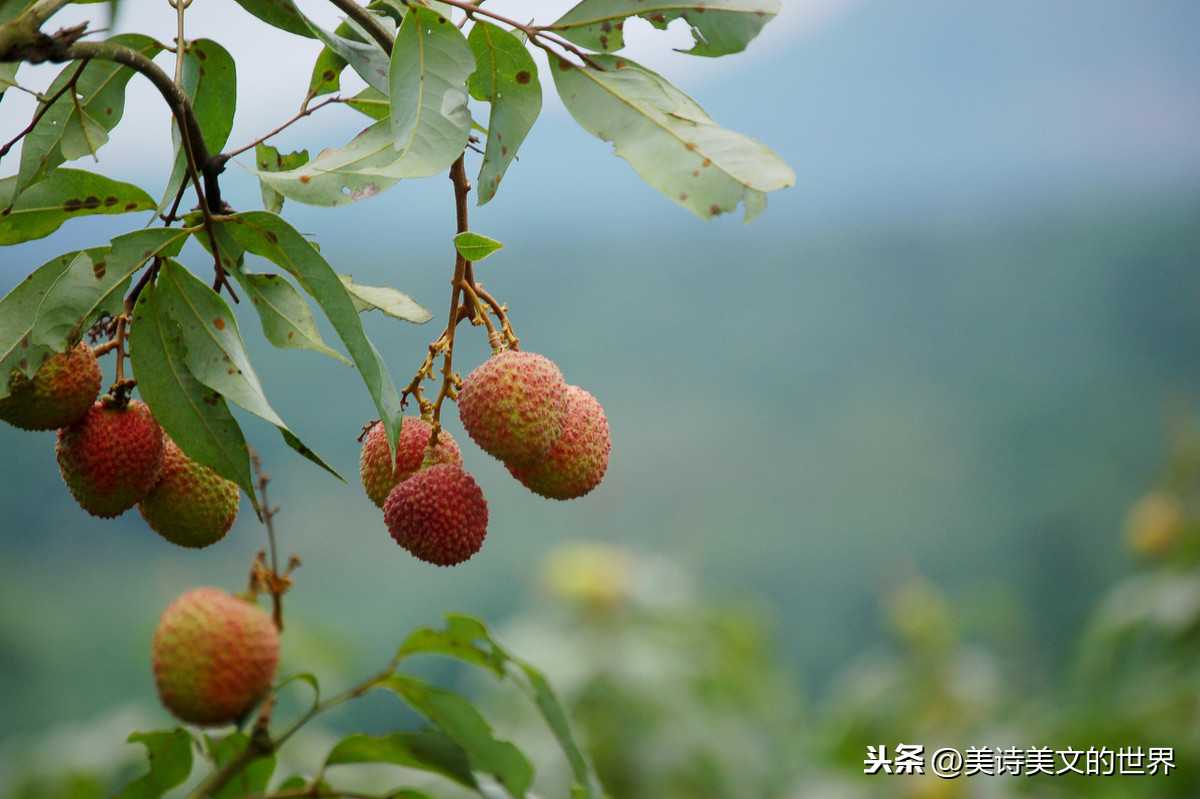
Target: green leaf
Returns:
[[82, 136], [428, 750], [460, 640], [8, 76], [326, 72], [469, 640], [270, 237], [505, 76], [364, 56], [214, 351], [286, 319], [475, 247], [269, 159], [668, 139], [251, 780], [100, 90], [67, 193], [281, 14], [458, 719], [719, 27], [210, 79], [371, 102], [170, 756], [195, 417], [343, 175], [86, 291], [132, 250], [429, 69], [64, 297], [386, 299], [19, 316]]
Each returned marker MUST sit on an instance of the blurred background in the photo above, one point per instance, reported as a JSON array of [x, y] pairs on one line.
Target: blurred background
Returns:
[[877, 447]]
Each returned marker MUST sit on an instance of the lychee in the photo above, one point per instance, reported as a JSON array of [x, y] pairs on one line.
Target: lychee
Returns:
[[439, 515], [191, 505], [514, 406], [577, 461], [378, 479], [112, 457], [214, 657], [59, 393]]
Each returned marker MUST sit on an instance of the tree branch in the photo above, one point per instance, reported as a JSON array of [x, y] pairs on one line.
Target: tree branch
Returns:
[[369, 22]]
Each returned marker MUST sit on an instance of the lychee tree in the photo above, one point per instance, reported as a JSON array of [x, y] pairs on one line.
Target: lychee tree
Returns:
[[448, 82]]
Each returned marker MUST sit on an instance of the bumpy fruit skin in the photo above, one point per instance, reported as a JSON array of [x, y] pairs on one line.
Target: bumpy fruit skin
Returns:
[[59, 393], [191, 505], [378, 480], [439, 515], [577, 461], [514, 406], [111, 459], [214, 657]]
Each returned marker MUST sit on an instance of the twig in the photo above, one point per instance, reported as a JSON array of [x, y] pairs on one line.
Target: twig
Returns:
[[44, 107], [303, 113]]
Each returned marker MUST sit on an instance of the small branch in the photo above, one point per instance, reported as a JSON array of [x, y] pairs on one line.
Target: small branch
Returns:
[[303, 113], [265, 576], [180, 42], [369, 22], [43, 107], [534, 33], [462, 188], [259, 746]]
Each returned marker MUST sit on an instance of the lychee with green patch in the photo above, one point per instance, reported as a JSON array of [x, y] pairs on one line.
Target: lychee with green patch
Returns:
[[112, 457], [439, 515], [214, 657], [514, 406], [191, 505], [59, 393], [378, 479], [577, 461]]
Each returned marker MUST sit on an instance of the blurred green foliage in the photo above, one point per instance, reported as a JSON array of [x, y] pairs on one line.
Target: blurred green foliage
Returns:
[[680, 695]]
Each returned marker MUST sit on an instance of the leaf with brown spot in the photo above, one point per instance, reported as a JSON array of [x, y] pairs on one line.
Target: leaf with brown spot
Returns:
[[719, 27], [667, 137], [505, 76], [44, 207], [196, 418], [213, 347]]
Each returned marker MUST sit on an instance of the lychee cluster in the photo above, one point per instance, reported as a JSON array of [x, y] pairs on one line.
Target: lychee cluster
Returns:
[[113, 454], [214, 657], [432, 508], [553, 437], [380, 473]]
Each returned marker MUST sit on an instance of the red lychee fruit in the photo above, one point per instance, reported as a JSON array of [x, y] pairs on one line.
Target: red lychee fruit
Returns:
[[214, 657], [111, 458], [514, 406], [191, 505], [59, 393], [439, 515], [577, 461], [378, 479]]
